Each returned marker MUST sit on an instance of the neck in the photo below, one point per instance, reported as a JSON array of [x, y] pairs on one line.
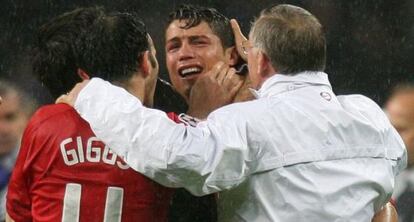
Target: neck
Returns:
[[266, 76], [136, 86]]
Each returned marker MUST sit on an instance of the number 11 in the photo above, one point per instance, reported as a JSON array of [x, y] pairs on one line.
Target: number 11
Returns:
[[71, 203]]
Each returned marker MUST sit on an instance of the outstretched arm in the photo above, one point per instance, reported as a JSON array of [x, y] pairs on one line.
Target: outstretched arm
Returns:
[[205, 159], [220, 87]]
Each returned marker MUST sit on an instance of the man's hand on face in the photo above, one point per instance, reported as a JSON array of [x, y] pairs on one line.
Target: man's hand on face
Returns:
[[70, 98], [244, 94], [239, 38], [214, 90]]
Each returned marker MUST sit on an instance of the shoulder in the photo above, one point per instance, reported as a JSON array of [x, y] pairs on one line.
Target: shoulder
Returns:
[[366, 111], [234, 107], [51, 117], [51, 111], [358, 100], [362, 105], [242, 111], [47, 111]]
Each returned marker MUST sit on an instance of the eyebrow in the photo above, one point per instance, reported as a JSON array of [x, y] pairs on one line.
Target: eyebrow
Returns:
[[191, 37]]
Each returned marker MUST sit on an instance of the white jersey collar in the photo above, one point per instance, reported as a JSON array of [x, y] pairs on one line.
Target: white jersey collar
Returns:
[[279, 83]]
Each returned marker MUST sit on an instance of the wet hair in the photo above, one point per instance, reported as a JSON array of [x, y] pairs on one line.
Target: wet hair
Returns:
[[115, 47], [193, 15], [105, 45], [292, 38]]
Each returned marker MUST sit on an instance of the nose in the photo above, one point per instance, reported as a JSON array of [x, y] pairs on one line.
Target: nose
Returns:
[[186, 52]]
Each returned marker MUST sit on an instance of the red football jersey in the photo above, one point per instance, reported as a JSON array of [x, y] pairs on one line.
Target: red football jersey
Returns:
[[64, 173]]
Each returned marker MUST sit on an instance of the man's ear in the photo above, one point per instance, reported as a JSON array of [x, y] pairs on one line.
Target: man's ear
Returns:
[[145, 67], [233, 55], [82, 74]]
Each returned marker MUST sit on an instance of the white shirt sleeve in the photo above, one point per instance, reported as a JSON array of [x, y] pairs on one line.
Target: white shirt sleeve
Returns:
[[203, 159]]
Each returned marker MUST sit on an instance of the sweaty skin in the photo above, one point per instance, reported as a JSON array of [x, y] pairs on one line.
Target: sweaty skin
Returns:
[[193, 52]]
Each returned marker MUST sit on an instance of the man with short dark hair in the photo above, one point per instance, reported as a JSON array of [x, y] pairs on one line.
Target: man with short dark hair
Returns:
[[296, 153], [196, 38], [64, 172]]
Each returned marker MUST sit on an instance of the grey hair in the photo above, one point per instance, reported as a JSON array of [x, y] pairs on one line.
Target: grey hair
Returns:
[[291, 37]]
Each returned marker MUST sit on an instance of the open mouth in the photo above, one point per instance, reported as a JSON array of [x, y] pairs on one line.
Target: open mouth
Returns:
[[189, 71]]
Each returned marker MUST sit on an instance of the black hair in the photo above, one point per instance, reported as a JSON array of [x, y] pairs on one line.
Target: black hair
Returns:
[[114, 47], [193, 15], [106, 45]]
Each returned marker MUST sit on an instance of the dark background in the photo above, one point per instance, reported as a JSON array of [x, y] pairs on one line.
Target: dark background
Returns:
[[370, 42]]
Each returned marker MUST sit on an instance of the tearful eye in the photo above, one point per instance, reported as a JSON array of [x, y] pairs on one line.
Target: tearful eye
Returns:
[[199, 42], [172, 48]]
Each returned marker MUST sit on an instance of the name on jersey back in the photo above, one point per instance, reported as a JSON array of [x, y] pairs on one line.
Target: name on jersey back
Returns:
[[73, 152]]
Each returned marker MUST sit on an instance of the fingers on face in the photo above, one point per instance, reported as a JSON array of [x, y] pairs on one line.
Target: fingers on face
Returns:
[[239, 38], [226, 77], [230, 76], [236, 30], [233, 81], [216, 71], [222, 74], [237, 85]]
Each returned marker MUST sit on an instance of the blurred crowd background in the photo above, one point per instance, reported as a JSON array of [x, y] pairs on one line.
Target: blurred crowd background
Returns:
[[370, 42]]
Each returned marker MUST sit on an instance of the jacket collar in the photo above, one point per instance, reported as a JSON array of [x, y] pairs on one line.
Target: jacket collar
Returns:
[[279, 83]]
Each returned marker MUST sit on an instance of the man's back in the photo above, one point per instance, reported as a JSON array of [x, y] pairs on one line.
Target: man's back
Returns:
[[65, 173], [298, 152], [325, 157]]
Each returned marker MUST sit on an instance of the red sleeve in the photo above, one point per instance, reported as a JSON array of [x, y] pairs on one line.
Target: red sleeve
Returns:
[[18, 203]]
